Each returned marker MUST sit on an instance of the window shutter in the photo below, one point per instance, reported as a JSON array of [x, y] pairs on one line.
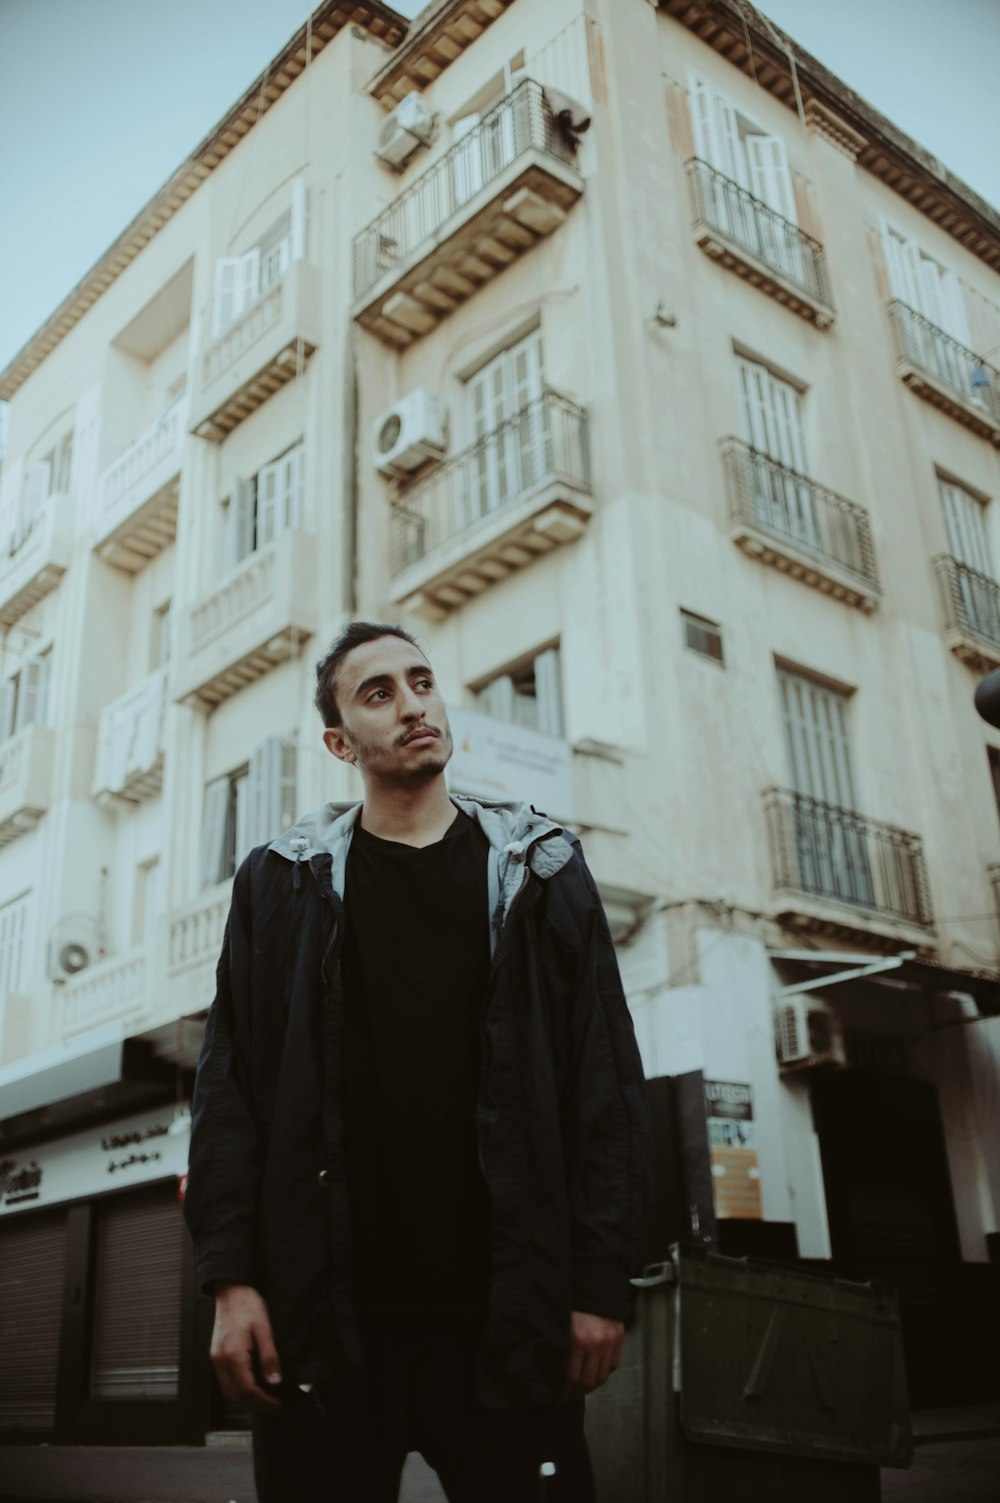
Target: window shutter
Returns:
[[32, 701], [248, 280], [241, 540], [271, 788], [8, 698], [895, 262], [299, 234], [705, 140], [548, 692], [964, 519], [294, 464], [770, 176], [955, 321], [148, 716], [244, 835], [497, 698], [269, 507], [224, 304], [37, 486], [732, 159], [285, 790], [467, 162], [213, 832]]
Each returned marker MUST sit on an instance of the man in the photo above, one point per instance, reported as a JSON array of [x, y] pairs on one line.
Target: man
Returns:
[[419, 1169]]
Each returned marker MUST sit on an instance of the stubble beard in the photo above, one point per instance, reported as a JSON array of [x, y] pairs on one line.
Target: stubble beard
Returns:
[[369, 757]]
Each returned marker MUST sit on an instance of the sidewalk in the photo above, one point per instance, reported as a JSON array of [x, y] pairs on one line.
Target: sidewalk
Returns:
[[957, 1460]]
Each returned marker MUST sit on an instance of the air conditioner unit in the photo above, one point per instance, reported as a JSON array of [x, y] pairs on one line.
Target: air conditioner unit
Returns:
[[409, 433], [807, 1037], [73, 945], [410, 126]]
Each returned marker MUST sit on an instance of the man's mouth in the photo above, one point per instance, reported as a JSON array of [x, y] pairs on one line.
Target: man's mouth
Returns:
[[426, 733]]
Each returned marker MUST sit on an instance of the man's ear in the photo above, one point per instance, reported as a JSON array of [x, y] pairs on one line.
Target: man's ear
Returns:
[[335, 741]]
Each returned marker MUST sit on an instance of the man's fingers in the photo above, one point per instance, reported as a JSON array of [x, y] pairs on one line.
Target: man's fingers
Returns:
[[267, 1356]]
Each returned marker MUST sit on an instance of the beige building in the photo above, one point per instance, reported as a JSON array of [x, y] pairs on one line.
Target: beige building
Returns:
[[630, 359]]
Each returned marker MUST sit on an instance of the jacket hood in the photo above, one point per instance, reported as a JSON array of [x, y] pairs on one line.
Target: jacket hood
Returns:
[[515, 831]]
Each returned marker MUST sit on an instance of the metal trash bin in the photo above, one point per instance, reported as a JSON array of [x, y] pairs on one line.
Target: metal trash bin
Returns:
[[774, 1383]]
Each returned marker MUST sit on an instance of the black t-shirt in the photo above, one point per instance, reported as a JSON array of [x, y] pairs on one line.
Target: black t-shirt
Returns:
[[416, 968]]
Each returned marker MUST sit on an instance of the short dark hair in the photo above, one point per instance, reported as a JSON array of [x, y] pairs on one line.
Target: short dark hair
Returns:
[[354, 634]]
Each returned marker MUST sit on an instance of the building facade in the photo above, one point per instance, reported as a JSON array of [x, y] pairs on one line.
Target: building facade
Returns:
[[622, 353]]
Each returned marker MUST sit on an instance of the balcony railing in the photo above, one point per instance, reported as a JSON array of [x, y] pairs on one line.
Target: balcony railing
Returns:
[[106, 992], [806, 521], [130, 742], [492, 196], [835, 854], [138, 507], [267, 345], [35, 557], [947, 373], [194, 934], [748, 225], [25, 780], [542, 446], [972, 612]]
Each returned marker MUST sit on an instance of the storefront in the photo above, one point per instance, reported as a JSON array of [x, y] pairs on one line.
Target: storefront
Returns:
[[102, 1338]]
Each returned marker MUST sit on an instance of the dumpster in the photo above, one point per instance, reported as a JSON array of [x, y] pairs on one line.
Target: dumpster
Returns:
[[773, 1383]]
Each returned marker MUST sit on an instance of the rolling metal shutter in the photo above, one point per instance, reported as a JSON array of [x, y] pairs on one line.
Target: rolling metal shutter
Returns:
[[32, 1268], [137, 1298]]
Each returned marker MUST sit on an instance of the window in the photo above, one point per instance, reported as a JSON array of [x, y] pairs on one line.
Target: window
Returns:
[[506, 425], [703, 636], [529, 694], [485, 151], [262, 508], [241, 280], [46, 477], [972, 579], [771, 410], [248, 807], [24, 697], [924, 285], [13, 947]]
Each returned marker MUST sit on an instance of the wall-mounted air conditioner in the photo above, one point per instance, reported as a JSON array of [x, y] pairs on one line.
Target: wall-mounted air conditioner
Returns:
[[410, 126], [409, 433], [74, 944], [807, 1036]]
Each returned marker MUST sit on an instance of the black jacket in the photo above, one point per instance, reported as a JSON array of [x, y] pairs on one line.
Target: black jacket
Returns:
[[561, 1118]]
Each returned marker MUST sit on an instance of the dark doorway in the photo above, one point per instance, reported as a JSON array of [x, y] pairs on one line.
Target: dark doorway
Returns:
[[888, 1194]]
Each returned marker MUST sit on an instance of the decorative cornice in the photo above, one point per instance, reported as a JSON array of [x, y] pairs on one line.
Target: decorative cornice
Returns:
[[823, 122], [327, 20], [728, 26], [439, 35]]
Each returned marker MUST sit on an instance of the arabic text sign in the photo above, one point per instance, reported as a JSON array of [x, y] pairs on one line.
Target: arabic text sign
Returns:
[[496, 760]]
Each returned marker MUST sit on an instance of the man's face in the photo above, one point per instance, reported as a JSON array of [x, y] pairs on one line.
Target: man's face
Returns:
[[394, 725]]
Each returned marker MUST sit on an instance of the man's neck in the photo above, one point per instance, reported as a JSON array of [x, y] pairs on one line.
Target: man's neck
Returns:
[[419, 815]]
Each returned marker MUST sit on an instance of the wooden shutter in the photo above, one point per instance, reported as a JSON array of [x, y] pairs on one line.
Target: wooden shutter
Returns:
[[548, 692], [703, 118], [270, 521], [32, 1271], [33, 695], [213, 832], [8, 701], [770, 178], [224, 303], [241, 519], [965, 520], [497, 698], [248, 280], [244, 840], [271, 790], [136, 1344], [816, 740]]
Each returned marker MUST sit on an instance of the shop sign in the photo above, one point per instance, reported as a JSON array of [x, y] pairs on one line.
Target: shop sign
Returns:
[[109, 1157], [495, 760], [732, 1148]]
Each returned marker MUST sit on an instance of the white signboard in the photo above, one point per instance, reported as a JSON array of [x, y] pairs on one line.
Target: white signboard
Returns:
[[108, 1157], [495, 760]]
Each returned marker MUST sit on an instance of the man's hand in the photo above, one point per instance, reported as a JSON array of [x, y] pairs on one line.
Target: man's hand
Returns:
[[595, 1350], [243, 1348]]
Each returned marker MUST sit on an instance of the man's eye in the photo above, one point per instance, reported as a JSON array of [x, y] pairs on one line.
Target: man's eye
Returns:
[[426, 682]]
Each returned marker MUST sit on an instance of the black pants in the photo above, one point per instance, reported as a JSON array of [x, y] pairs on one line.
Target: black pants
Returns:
[[346, 1441]]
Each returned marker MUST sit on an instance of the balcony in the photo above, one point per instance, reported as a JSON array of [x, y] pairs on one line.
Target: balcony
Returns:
[[257, 617], [844, 876], [130, 744], [267, 345], [138, 495], [503, 187], [194, 941], [26, 761], [747, 237], [36, 558], [945, 373], [113, 990], [971, 613], [788, 521], [516, 494]]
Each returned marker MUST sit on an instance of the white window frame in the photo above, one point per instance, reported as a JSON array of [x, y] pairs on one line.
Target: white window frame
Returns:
[[541, 711], [241, 280], [248, 807], [771, 412], [509, 386]]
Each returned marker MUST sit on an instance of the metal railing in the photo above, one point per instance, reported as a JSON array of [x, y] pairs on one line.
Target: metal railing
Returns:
[[971, 599], [937, 354], [543, 443], [522, 120], [825, 851], [723, 205], [785, 504]]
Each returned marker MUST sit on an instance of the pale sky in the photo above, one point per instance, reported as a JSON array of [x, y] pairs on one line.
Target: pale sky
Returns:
[[100, 100]]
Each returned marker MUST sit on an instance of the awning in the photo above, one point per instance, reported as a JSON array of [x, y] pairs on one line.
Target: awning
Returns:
[[58, 1085], [904, 971]]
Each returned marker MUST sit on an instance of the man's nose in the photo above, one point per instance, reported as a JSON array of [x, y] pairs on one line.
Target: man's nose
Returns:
[[411, 706]]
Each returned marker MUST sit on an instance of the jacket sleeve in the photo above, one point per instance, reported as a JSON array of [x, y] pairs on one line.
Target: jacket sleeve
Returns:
[[605, 1117], [226, 1152]]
